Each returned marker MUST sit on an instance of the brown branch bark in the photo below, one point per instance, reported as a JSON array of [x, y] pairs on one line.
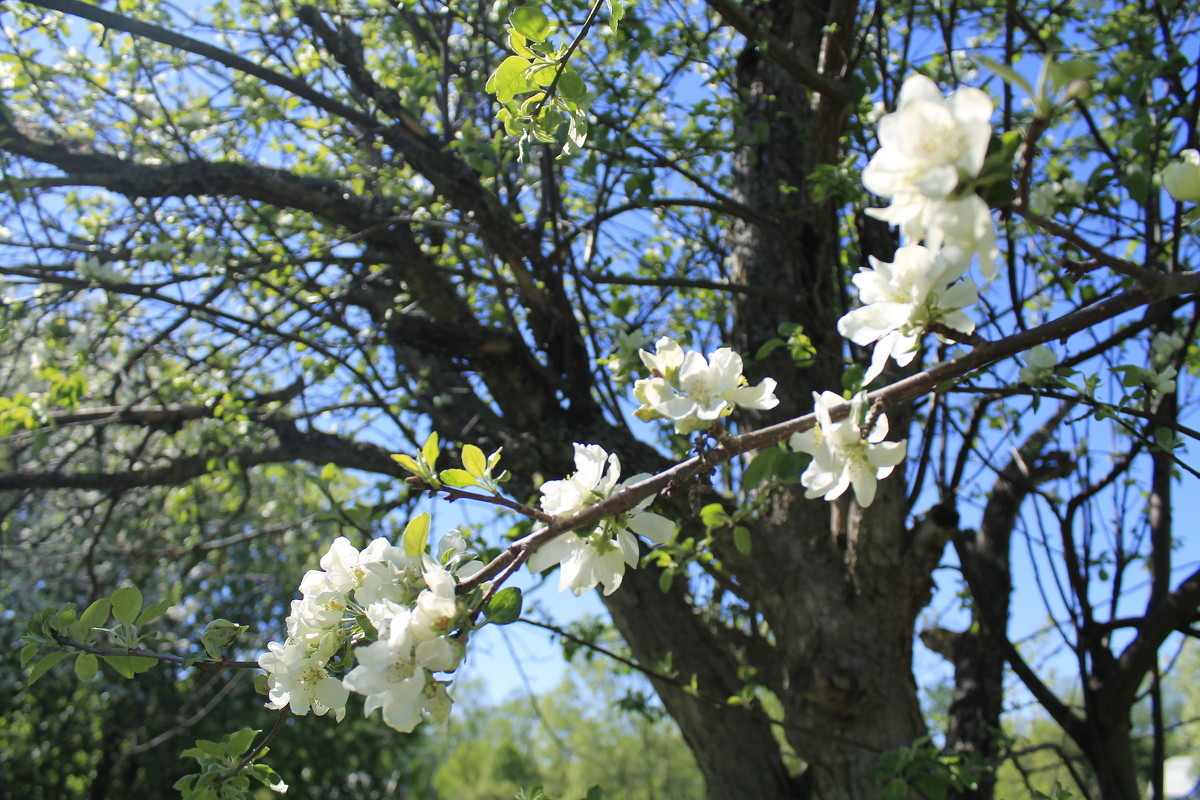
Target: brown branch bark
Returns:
[[778, 51]]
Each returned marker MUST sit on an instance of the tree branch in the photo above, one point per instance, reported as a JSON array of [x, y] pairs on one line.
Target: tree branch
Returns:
[[778, 51]]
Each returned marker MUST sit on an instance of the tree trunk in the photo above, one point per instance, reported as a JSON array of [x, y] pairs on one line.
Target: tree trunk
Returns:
[[840, 587]]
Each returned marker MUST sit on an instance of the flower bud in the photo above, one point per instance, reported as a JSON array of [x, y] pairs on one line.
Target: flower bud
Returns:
[[1079, 89], [1181, 178]]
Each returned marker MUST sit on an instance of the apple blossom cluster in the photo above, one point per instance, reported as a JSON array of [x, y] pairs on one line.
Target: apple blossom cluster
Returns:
[[1160, 376], [1039, 365], [920, 288], [931, 148], [598, 557], [845, 454], [694, 392], [406, 604]]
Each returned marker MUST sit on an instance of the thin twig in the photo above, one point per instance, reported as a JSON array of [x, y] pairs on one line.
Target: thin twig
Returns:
[[187, 663], [257, 750]]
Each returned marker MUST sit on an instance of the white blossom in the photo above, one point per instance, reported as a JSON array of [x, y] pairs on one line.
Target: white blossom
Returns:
[[598, 558], [1163, 348], [929, 148], [388, 573], [930, 142], [1039, 365], [902, 299], [595, 476], [297, 679], [340, 563], [412, 613], [389, 676], [843, 454], [694, 392], [626, 355], [1161, 382], [1181, 178]]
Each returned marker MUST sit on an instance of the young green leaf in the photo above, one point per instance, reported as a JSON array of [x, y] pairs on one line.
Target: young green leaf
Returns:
[[128, 666], [429, 451], [126, 603], [96, 614], [457, 477], [504, 606], [509, 79], [530, 22], [153, 612], [571, 86], [86, 666], [616, 10], [416, 535], [762, 466], [517, 43], [713, 516], [741, 539], [474, 461], [1007, 74], [39, 669], [408, 462], [240, 742]]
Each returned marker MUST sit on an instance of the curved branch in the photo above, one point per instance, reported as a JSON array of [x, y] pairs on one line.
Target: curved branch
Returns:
[[778, 51], [145, 30], [294, 445]]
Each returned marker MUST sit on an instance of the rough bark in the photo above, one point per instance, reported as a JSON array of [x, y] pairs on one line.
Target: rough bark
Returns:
[[839, 587]]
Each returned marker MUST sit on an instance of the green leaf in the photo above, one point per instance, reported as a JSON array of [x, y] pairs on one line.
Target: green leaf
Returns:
[[762, 466], [1077, 69], [542, 74], [408, 462], [457, 477], [121, 665], [504, 606], [429, 451], [153, 612], [1007, 74], [616, 11], [768, 347], [128, 666], [517, 43], [269, 777], [713, 516], [65, 617], [416, 535], [571, 86], [474, 460], [896, 790], [530, 22], [86, 666], [509, 79], [665, 578], [329, 471], [741, 539], [240, 742], [204, 749], [39, 669], [126, 603], [219, 634], [96, 614]]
